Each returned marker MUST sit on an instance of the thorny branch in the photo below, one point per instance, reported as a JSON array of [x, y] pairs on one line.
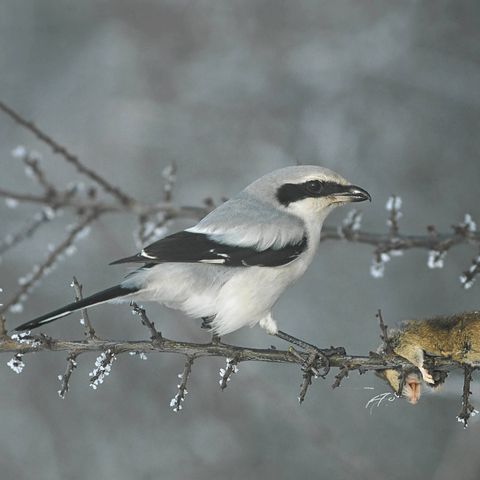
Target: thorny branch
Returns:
[[468, 409], [88, 204], [387, 346], [179, 398], [89, 330], [39, 271], [109, 350], [65, 378], [66, 154], [155, 335]]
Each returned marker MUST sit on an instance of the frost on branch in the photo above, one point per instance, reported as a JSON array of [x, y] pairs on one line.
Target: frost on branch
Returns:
[[140, 355], [469, 224], [16, 363], [154, 226], [436, 258], [468, 277], [226, 373], [11, 202], [65, 378], [377, 269], [19, 152], [393, 205], [103, 367], [30, 280], [26, 338], [179, 398], [350, 224]]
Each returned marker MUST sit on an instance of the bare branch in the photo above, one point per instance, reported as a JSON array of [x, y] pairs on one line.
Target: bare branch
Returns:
[[89, 330], [226, 373], [387, 346], [3, 329], [33, 168], [33, 343], [28, 230], [342, 373], [403, 241], [155, 335], [103, 366], [65, 378], [40, 270], [22, 344], [139, 208], [67, 155], [179, 398], [467, 408]]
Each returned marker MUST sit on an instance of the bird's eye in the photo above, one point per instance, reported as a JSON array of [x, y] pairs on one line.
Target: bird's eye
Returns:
[[314, 187]]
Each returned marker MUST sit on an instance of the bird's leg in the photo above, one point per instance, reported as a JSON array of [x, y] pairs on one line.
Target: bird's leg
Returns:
[[324, 354], [308, 346], [207, 322]]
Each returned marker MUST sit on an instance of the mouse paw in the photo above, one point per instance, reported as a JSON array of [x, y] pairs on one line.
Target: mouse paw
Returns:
[[426, 376]]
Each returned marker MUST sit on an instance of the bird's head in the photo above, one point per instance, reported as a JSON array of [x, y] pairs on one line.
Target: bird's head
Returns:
[[306, 190]]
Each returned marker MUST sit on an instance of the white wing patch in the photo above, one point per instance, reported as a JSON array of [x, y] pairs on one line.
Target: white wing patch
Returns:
[[143, 253]]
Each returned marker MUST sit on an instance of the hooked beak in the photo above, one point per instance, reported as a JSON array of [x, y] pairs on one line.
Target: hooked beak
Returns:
[[352, 193]]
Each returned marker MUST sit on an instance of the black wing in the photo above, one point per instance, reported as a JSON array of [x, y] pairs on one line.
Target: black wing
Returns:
[[190, 247]]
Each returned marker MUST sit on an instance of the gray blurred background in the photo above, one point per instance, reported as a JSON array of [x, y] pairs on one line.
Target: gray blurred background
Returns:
[[385, 93]]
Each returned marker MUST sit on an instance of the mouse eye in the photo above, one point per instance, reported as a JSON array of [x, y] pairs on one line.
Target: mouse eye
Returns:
[[314, 187]]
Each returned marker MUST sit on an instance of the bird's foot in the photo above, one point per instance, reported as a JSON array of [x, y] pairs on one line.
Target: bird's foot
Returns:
[[319, 356], [207, 322]]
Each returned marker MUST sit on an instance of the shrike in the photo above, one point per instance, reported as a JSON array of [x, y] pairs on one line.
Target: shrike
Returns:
[[231, 268]]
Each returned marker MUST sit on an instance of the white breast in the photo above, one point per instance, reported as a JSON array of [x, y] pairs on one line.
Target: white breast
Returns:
[[236, 296]]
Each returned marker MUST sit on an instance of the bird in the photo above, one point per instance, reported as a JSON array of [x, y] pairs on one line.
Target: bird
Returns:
[[232, 266]]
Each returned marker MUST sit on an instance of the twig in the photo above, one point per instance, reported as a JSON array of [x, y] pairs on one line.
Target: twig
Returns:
[[3, 329], [28, 230], [89, 330], [33, 168], [179, 398], [467, 408], [103, 366], [468, 277], [22, 344], [393, 207], [67, 155], [155, 335], [225, 374], [343, 373], [403, 241], [42, 269], [65, 378], [170, 175], [242, 354], [387, 345]]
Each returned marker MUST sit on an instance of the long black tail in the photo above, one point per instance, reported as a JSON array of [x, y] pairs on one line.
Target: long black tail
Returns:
[[99, 297]]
